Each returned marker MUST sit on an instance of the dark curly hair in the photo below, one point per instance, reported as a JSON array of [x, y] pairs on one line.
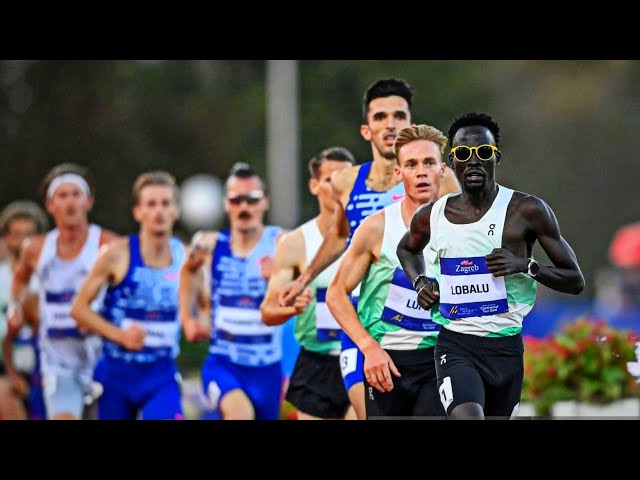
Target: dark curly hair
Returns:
[[472, 119]]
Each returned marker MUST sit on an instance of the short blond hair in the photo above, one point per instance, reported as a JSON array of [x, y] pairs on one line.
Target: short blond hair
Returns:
[[158, 177], [419, 132]]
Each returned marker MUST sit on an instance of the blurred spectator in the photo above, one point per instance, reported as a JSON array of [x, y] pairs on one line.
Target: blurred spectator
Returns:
[[624, 250], [618, 285]]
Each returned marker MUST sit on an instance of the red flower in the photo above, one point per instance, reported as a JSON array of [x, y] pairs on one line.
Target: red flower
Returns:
[[586, 360]]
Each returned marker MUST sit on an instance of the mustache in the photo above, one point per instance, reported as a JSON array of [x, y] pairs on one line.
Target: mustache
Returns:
[[244, 215]]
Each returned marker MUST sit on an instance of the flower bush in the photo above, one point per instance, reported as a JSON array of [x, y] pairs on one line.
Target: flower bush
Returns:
[[288, 411], [585, 361]]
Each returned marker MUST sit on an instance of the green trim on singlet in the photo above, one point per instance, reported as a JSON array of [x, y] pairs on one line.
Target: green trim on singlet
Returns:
[[375, 288]]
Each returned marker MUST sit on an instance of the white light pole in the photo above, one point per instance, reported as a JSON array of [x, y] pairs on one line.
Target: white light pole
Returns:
[[283, 144]]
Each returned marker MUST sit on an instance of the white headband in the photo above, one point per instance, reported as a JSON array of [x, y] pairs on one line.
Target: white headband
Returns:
[[77, 180]]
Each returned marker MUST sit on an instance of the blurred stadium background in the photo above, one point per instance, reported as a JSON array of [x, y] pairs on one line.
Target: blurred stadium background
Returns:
[[568, 135]]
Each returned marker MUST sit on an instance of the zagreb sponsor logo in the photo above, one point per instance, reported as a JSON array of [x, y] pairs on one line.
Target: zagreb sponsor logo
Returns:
[[467, 266]]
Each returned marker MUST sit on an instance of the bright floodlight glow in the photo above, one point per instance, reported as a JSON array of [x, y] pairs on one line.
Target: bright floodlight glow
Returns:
[[201, 201]]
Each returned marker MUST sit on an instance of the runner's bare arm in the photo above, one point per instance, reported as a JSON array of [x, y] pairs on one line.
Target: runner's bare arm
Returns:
[[109, 268], [289, 259], [332, 247]]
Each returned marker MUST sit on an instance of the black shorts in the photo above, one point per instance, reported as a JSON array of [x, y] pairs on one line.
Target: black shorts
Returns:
[[316, 387], [414, 394], [484, 370]]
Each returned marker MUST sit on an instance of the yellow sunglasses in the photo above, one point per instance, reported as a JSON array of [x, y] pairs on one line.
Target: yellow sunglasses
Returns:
[[462, 153]]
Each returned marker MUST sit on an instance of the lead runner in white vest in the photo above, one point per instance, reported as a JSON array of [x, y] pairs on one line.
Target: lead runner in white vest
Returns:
[[485, 274]]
